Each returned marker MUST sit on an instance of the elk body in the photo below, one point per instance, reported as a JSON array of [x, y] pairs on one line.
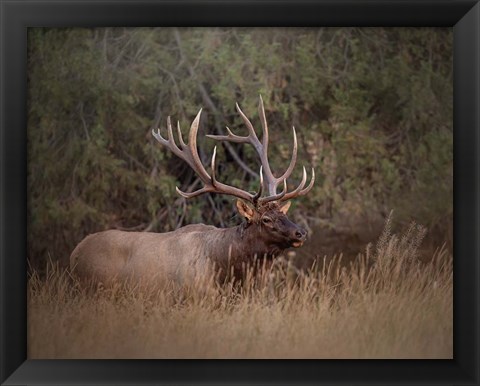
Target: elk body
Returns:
[[195, 250]]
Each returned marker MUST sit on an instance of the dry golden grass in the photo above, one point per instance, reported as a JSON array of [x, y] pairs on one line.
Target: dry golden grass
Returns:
[[387, 305]]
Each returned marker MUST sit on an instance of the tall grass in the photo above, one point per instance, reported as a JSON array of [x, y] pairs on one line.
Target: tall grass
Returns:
[[387, 304]]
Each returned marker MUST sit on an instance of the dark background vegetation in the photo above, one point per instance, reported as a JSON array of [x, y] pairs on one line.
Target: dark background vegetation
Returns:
[[372, 108]]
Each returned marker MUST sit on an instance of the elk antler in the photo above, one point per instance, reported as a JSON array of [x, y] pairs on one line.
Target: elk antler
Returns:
[[262, 148], [190, 155]]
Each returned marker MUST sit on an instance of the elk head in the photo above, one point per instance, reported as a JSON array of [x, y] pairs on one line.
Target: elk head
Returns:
[[265, 214], [271, 224]]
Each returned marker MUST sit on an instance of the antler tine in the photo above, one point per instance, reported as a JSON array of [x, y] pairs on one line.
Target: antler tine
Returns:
[[193, 152], [293, 161], [293, 193], [214, 180], [192, 194], [299, 191], [310, 185], [252, 135], [230, 137], [275, 196], [159, 137], [169, 131], [263, 120], [180, 138], [260, 189]]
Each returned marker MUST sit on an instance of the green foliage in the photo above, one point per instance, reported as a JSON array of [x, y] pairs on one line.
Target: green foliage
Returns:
[[372, 108]]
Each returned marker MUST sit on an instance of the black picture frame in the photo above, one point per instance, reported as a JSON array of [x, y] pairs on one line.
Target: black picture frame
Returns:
[[17, 16]]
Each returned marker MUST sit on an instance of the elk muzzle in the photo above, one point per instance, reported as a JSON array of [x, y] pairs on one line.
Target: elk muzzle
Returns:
[[298, 237]]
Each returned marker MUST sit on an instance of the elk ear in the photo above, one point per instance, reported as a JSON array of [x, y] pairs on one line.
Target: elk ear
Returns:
[[284, 208], [245, 210]]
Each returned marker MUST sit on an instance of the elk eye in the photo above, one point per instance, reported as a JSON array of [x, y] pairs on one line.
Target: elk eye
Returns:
[[266, 220]]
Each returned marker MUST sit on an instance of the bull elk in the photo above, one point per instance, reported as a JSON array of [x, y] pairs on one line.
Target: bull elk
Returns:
[[188, 251]]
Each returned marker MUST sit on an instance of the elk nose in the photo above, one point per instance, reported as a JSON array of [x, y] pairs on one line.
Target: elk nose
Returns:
[[300, 234]]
